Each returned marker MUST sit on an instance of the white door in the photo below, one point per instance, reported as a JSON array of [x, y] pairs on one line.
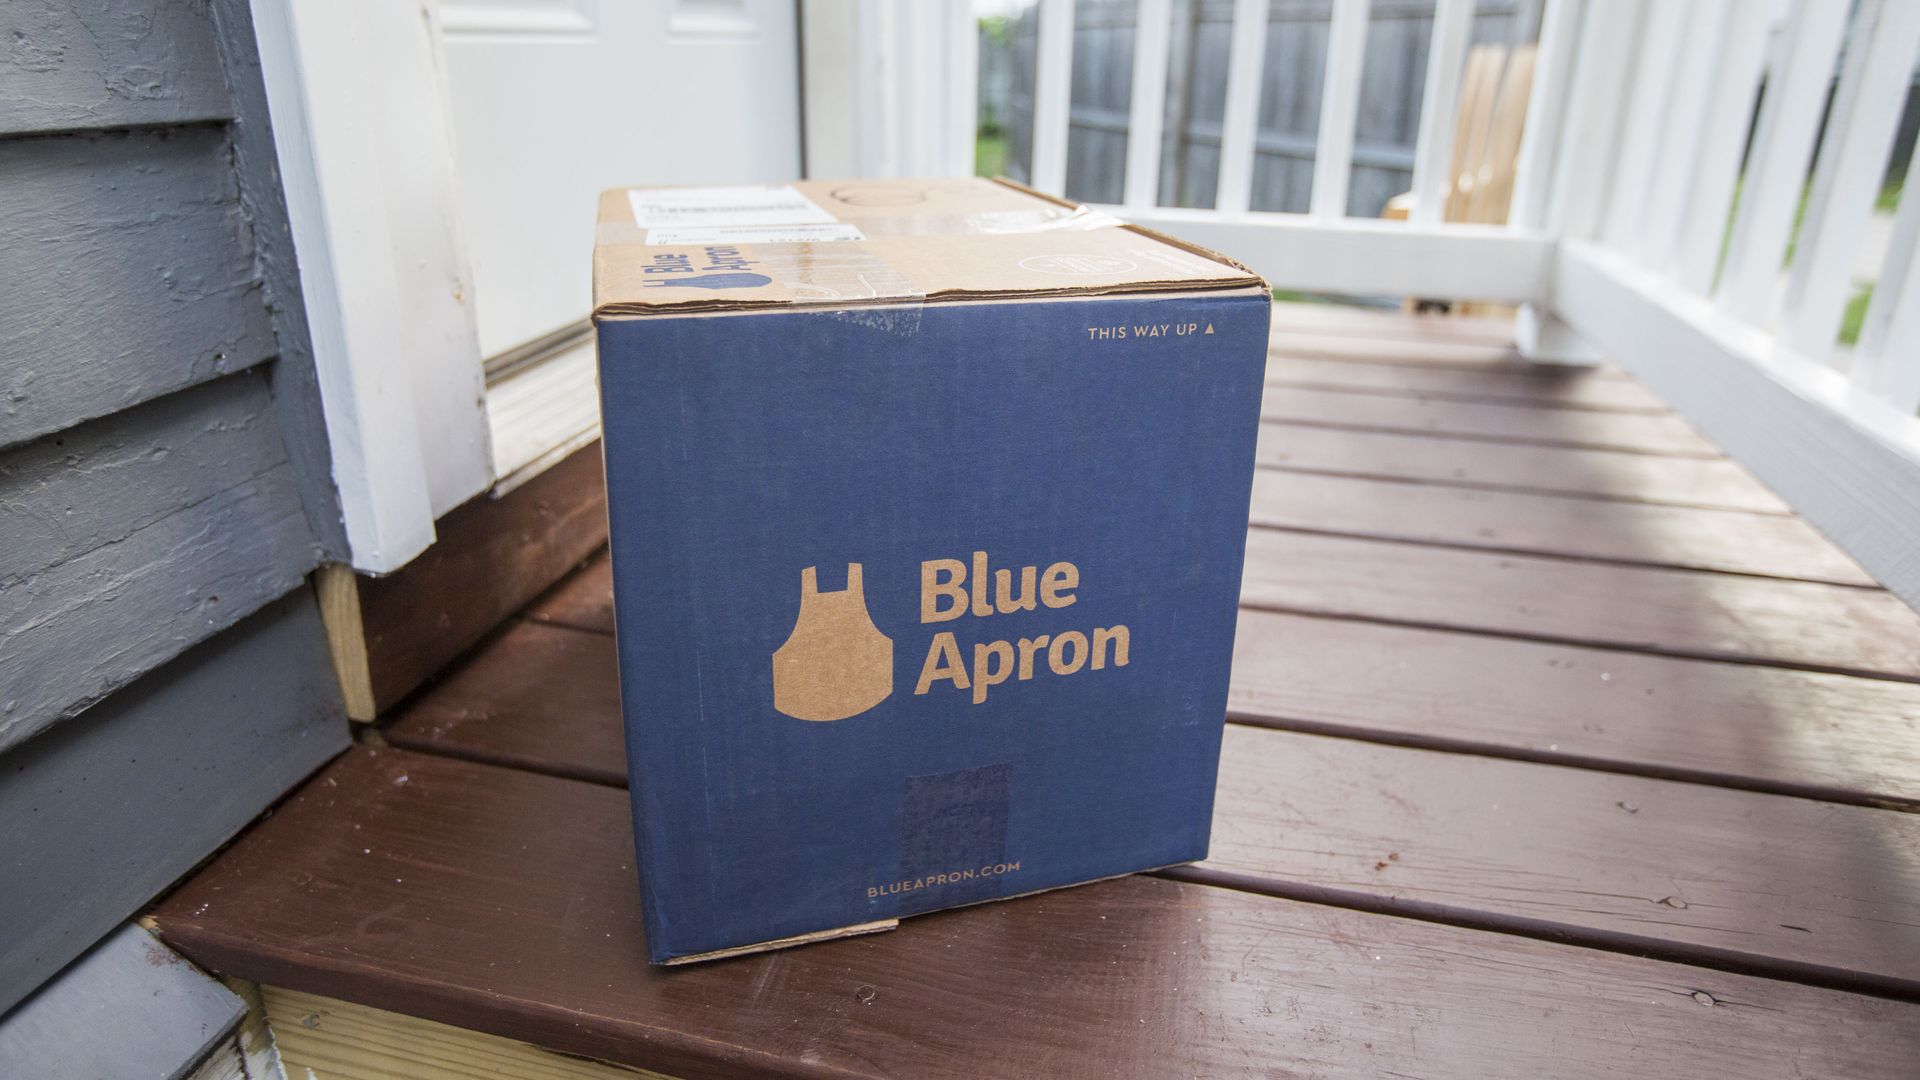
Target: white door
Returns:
[[554, 100]]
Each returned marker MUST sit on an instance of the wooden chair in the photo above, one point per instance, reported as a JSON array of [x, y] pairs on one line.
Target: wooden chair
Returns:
[[1486, 144]]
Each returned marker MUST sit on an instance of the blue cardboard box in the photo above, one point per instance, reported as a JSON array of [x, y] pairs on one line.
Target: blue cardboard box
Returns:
[[928, 506]]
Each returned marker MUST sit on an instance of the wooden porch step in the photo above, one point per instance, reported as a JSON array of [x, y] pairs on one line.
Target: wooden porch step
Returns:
[[1556, 732], [1621, 862], [503, 901]]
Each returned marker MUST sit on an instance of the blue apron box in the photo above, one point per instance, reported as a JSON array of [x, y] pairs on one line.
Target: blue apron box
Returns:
[[928, 505]]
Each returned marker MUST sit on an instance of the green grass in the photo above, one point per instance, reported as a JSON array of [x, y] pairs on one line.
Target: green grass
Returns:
[[1291, 296], [989, 153], [1889, 196], [1886, 202], [1856, 314]]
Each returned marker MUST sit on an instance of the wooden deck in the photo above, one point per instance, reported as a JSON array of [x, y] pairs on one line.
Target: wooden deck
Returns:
[[1559, 747]]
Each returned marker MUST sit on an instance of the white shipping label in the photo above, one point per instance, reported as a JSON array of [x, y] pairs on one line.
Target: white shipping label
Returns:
[[753, 234], [761, 204]]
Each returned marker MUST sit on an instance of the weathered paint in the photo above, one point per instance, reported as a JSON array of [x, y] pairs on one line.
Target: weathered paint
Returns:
[[77, 631], [66, 494], [81, 64], [263, 203]]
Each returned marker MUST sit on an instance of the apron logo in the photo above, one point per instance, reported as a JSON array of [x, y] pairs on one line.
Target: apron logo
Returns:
[[836, 663], [714, 281]]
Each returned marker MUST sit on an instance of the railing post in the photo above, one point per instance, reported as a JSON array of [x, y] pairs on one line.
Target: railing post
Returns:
[[1433, 147], [1703, 43], [1656, 54], [1339, 107], [1546, 109], [1782, 144], [1052, 95], [1240, 123], [963, 86], [1722, 140], [1152, 40], [1600, 79], [1853, 157], [1886, 361]]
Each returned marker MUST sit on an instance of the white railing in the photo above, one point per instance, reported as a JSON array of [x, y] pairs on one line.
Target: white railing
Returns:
[[1623, 225]]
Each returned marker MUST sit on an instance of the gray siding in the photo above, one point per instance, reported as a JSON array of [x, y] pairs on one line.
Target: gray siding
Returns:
[[105, 810], [164, 482], [129, 999], [126, 272], [78, 64], [131, 537]]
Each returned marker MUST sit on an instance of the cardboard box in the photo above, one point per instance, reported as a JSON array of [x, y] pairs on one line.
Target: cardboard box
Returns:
[[929, 502]]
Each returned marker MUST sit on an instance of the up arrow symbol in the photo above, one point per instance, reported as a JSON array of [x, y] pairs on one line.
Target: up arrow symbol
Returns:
[[1209, 328]]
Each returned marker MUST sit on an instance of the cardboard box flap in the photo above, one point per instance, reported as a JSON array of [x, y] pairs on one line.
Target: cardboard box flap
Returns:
[[662, 250]]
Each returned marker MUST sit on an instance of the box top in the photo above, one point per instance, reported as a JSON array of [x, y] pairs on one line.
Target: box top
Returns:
[[821, 243]]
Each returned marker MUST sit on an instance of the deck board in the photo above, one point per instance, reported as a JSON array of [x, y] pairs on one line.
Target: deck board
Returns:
[[1502, 422], [501, 900], [1822, 736], [542, 696], [1760, 882], [1672, 612], [1713, 483], [1537, 847], [538, 696], [1404, 330], [1562, 388], [1728, 541], [584, 601]]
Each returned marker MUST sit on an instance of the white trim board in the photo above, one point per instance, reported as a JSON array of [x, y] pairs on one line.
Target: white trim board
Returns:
[[542, 414], [359, 122], [1847, 463]]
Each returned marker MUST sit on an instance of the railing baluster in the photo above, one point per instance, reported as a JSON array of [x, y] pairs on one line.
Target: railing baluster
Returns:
[[1656, 55], [1052, 95], [1339, 107], [1151, 42], [1704, 37], [1601, 75], [1546, 108], [1240, 124], [963, 86], [1722, 138], [1866, 110], [1782, 143], [1886, 363], [1433, 147]]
